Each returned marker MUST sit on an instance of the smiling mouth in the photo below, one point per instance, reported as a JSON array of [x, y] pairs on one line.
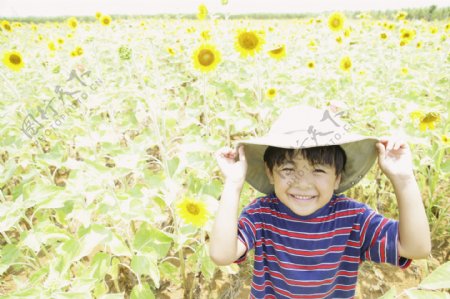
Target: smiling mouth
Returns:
[[303, 197]]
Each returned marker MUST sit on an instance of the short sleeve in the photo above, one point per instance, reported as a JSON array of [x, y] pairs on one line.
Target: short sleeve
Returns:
[[379, 240], [247, 230]]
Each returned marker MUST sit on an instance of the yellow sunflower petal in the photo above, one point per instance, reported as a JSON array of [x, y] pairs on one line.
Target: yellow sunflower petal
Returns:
[[192, 212], [249, 42], [13, 60], [206, 58]]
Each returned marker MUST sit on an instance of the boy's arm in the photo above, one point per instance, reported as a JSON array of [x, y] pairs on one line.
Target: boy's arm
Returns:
[[394, 158], [225, 247]]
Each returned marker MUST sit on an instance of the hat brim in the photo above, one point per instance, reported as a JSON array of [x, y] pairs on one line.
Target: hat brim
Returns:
[[360, 151]]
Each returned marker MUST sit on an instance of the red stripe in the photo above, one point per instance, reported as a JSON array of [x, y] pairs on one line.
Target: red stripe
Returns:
[[344, 258], [364, 229], [312, 236], [333, 216], [283, 248], [249, 223], [383, 250], [303, 283], [377, 232], [293, 296]]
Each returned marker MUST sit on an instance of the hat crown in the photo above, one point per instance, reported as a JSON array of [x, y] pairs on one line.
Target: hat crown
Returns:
[[307, 127]]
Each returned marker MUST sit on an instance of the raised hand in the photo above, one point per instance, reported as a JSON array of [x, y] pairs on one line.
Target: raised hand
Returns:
[[232, 164], [394, 158]]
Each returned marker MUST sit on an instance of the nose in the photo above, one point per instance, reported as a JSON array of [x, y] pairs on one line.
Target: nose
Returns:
[[300, 179]]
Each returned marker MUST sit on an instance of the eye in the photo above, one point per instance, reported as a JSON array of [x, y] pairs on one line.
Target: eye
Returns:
[[287, 170], [318, 170]]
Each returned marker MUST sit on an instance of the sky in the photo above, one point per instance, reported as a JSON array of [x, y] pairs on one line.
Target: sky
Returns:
[[24, 8]]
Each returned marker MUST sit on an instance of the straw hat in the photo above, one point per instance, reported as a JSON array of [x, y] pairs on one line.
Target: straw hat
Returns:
[[305, 127]]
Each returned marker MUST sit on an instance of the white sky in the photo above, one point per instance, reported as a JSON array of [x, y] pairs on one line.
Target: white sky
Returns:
[[23, 8]]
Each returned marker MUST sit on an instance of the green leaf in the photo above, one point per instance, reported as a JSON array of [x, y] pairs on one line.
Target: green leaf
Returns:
[[149, 239], [118, 246], [97, 234], [438, 279], [423, 294], [100, 265], [173, 166], [7, 171], [142, 291], [146, 265], [9, 255], [112, 296], [114, 270], [71, 295]]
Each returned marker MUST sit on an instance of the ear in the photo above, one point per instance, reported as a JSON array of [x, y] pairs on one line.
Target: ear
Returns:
[[269, 173], [338, 181]]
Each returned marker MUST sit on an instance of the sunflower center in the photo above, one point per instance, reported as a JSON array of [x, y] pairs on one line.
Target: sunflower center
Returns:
[[336, 23], [193, 209], [277, 51], [15, 59], [206, 57], [347, 64], [106, 21], [248, 40], [430, 117]]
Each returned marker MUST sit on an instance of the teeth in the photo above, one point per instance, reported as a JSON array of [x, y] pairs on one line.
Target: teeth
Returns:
[[302, 197]]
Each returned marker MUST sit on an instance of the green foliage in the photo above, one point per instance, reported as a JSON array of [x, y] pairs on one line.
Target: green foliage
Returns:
[[433, 286]]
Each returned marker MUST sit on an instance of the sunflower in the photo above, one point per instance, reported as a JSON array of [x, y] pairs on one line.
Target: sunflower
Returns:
[[105, 20], [429, 120], [346, 63], [383, 35], [445, 139], [336, 21], [426, 120], [206, 58], [98, 15], [5, 25], [407, 34], [13, 60], [271, 93], [202, 12], [205, 34], [78, 51], [249, 42], [192, 211], [72, 22], [171, 51], [278, 53], [51, 46], [401, 15], [311, 64]]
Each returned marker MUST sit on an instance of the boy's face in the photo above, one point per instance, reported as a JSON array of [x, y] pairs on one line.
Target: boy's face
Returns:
[[302, 187]]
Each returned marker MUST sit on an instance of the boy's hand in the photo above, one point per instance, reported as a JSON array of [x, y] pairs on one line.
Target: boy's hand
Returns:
[[233, 165], [394, 158]]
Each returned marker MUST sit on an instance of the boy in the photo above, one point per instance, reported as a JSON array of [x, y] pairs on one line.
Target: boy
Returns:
[[308, 240]]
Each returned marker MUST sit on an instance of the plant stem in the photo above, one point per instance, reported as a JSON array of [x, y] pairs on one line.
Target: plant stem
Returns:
[[8, 240], [10, 86], [182, 269]]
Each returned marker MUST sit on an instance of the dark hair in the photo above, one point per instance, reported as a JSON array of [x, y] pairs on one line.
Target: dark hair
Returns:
[[332, 155]]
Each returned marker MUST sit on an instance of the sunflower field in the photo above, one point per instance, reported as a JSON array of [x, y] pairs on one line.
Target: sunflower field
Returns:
[[108, 129]]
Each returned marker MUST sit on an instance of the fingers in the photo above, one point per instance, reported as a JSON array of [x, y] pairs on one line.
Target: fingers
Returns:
[[241, 153], [392, 143], [229, 153]]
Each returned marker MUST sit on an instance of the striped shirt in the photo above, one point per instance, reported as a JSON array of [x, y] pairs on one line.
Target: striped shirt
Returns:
[[314, 256]]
